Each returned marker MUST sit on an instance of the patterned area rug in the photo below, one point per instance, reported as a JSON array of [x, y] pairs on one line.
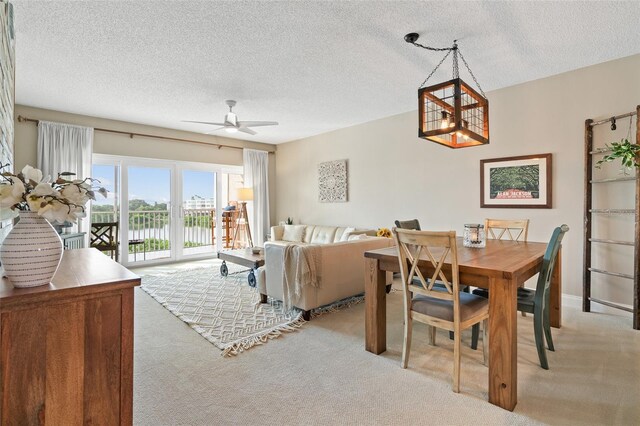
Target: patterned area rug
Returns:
[[225, 310]]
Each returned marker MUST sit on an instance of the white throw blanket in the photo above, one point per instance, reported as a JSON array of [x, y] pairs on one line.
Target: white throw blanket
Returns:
[[301, 268]]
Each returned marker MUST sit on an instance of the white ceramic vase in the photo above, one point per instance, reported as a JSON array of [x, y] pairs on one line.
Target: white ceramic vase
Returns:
[[31, 252]]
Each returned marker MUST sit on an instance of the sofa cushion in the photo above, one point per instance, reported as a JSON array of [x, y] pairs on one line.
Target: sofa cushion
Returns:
[[308, 233], [293, 233], [323, 234]]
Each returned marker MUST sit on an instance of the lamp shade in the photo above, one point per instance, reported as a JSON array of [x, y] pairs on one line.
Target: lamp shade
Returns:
[[245, 194]]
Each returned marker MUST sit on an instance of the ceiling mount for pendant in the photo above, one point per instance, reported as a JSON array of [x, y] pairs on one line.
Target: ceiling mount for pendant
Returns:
[[452, 113], [411, 37]]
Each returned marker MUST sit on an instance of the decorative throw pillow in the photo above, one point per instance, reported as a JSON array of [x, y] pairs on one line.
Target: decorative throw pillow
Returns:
[[293, 233], [347, 232], [358, 237]]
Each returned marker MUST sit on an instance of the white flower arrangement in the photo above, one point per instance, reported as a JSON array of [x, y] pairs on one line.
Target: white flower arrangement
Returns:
[[58, 201]]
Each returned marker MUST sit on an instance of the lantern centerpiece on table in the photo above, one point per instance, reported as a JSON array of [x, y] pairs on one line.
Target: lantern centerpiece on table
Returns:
[[452, 113]]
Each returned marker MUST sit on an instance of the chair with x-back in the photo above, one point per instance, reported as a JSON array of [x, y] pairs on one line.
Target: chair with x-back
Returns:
[[415, 225], [499, 229], [444, 305], [515, 230], [104, 237]]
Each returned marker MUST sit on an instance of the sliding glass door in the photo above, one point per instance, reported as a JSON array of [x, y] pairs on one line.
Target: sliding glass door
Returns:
[[165, 211], [149, 225], [198, 212]]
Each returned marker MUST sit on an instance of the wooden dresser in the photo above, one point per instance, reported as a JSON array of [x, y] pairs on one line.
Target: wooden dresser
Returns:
[[66, 349]]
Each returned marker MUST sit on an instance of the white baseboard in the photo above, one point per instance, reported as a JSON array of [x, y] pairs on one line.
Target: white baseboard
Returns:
[[569, 300]]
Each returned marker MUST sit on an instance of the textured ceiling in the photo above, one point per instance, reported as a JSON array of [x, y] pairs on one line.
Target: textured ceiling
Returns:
[[313, 66]]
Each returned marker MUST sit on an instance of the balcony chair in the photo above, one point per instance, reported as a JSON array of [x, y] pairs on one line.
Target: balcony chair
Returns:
[[444, 305], [104, 237]]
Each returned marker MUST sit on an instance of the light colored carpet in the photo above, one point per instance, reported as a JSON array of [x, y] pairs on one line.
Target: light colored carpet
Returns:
[[324, 376], [223, 310]]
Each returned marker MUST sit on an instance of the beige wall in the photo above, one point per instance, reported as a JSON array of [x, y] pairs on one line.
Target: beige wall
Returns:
[[115, 144], [395, 175]]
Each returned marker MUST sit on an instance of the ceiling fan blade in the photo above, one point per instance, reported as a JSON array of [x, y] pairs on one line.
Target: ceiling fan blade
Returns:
[[214, 130], [203, 122], [246, 130], [257, 123]]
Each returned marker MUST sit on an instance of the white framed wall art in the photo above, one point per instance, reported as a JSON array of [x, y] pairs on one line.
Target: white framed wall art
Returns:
[[332, 181]]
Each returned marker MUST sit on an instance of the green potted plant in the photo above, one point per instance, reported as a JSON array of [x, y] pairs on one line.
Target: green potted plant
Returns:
[[624, 150]]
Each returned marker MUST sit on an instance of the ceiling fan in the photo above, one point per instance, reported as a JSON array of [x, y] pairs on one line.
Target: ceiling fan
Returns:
[[232, 124]]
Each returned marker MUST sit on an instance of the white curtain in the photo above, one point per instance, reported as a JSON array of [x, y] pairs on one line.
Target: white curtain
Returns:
[[66, 148], [256, 176]]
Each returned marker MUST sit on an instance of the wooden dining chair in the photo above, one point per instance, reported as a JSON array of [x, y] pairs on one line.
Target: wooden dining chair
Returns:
[[536, 301], [437, 306], [415, 225], [515, 230], [499, 229], [104, 237]]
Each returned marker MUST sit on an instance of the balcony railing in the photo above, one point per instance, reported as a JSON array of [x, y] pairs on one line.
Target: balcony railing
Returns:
[[151, 229]]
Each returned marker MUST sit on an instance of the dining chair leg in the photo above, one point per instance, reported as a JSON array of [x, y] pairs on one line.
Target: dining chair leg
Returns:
[[456, 363], [538, 331], [547, 331], [467, 289], [485, 341], [432, 335], [406, 347], [475, 331]]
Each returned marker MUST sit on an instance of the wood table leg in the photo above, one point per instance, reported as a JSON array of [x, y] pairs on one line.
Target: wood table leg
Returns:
[[375, 299], [503, 353], [555, 302]]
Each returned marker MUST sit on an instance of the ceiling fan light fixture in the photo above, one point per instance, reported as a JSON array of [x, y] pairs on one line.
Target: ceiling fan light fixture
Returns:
[[231, 123]]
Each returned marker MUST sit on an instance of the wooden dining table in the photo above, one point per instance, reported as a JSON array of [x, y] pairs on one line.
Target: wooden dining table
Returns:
[[501, 267]]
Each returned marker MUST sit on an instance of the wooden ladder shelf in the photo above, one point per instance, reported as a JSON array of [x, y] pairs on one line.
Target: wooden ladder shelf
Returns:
[[589, 211]]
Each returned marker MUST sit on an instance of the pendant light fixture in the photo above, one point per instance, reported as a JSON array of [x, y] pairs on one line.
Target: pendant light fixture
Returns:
[[452, 113]]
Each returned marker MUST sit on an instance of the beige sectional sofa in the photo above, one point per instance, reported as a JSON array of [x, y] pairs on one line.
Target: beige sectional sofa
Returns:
[[341, 271]]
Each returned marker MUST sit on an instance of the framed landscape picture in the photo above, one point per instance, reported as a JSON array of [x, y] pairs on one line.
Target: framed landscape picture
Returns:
[[516, 182]]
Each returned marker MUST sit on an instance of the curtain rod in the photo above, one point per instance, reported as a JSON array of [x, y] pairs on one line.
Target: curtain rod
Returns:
[[23, 119], [617, 117]]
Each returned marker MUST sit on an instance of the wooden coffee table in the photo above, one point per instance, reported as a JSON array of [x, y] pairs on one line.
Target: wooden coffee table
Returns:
[[244, 257]]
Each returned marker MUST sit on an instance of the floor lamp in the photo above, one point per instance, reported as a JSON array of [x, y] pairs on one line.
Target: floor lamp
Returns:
[[244, 195]]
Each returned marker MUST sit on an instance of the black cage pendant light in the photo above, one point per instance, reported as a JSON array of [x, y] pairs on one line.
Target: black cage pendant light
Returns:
[[452, 113]]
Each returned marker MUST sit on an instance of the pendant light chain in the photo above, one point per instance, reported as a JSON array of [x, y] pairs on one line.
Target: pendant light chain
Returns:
[[435, 49], [456, 70], [471, 73], [436, 68]]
